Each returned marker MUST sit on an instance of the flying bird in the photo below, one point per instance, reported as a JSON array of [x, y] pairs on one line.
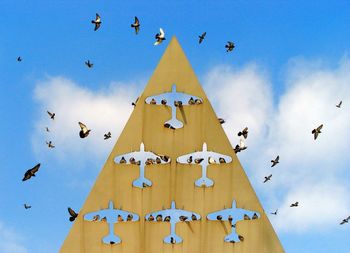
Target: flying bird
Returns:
[[274, 162], [136, 25], [296, 204], [317, 131], [51, 114], [89, 64], [230, 46], [49, 144], [221, 121], [31, 172], [244, 132], [84, 132], [159, 37], [107, 135], [97, 22], [201, 37], [275, 212], [134, 103], [240, 147], [345, 221], [73, 215], [19, 59], [27, 206], [339, 105], [267, 178]]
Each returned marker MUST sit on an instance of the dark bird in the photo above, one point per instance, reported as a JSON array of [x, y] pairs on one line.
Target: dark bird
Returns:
[[129, 217], [244, 132], [84, 131], [274, 162], [134, 103], [345, 221], [19, 59], [165, 158], [240, 147], [49, 144], [107, 136], [183, 218], [31, 172], [221, 121], [294, 204], [219, 217], [89, 64], [317, 131], [198, 160], [255, 216], [158, 160], [222, 160], [122, 160], [178, 103], [339, 105], [73, 215], [97, 22], [194, 217], [267, 178], [172, 240], [159, 217], [47, 129], [136, 25], [51, 114], [191, 101], [189, 159], [163, 102], [153, 102], [211, 160], [230, 46], [159, 37], [27, 206], [201, 37], [151, 218], [275, 212], [167, 125], [167, 218]]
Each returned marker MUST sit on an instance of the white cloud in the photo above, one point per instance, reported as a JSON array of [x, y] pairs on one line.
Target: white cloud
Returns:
[[311, 172], [10, 241], [102, 111]]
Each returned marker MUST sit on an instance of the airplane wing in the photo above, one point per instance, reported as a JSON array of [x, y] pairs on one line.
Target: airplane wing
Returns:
[[136, 155], [217, 156], [225, 213], [237, 214], [195, 155], [111, 215], [172, 96], [174, 214]]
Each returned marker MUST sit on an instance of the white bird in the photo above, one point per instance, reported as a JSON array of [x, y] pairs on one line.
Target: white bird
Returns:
[[159, 37]]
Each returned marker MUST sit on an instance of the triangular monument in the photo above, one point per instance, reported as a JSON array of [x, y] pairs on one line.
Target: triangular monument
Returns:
[[172, 182]]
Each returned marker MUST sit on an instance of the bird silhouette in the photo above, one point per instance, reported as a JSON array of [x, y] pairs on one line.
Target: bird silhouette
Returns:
[[19, 59], [160, 37], [201, 37], [275, 212], [339, 105], [31, 172], [317, 131], [345, 221], [49, 144], [84, 131], [107, 136], [230, 46], [274, 162], [51, 114], [97, 22], [267, 178], [296, 204], [89, 64], [27, 206], [221, 121], [73, 215], [243, 133], [136, 25]]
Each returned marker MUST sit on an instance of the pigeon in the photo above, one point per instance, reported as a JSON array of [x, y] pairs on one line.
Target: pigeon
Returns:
[[96, 217], [198, 160], [167, 218], [150, 218], [158, 160], [97, 22], [172, 240], [167, 125], [159, 37], [198, 101], [317, 131], [339, 105], [72, 214], [255, 216], [244, 132], [120, 218], [221, 121], [84, 132], [49, 144], [246, 217], [230, 46], [274, 162], [47, 129], [122, 160], [163, 102], [134, 103], [294, 204], [191, 101], [159, 217], [19, 59], [183, 218], [129, 217], [345, 221], [189, 159], [51, 114], [222, 160], [211, 160], [275, 212], [136, 25], [27, 206], [107, 136], [230, 218], [31, 172], [165, 158], [219, 217], [89, 64], [178, 103], [194, 217], [267, 178], [201, 37], [240, 147]]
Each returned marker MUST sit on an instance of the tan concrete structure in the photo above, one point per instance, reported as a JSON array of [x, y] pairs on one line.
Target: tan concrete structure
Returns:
[[172, 181]]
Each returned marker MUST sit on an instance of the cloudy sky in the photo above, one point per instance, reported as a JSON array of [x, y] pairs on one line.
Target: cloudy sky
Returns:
[[290, 67]]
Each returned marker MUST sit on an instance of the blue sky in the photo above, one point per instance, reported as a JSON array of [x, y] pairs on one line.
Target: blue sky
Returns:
[[285, 52]]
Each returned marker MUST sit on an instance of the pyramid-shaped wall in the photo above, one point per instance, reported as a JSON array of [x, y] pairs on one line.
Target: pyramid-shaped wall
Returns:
[[170, 186]]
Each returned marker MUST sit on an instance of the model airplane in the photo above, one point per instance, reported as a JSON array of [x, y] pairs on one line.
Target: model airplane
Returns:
[[141, 158], [111, 216], [208, 157], [172, 216], [174, 99], [233, 215]]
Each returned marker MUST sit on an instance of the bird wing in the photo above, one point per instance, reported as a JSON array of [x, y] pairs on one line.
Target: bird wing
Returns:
[[137, 22], [162, 33], [71, 212], [241, 143], [82, 126], [203, 35], [320, 127], [35, 168], [98, 18], [277, 158], [97, 25], [49, 113]]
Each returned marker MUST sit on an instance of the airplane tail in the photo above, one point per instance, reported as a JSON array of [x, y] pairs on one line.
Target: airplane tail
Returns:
[[111, 239], [174, 122], [142, 182], [173, 239], [204, 181]]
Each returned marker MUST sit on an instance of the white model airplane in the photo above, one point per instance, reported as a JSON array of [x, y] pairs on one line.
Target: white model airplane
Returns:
[[141, 158], [111, 216], [233, 215], [208, 157], [172, 216], [174, 99]]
